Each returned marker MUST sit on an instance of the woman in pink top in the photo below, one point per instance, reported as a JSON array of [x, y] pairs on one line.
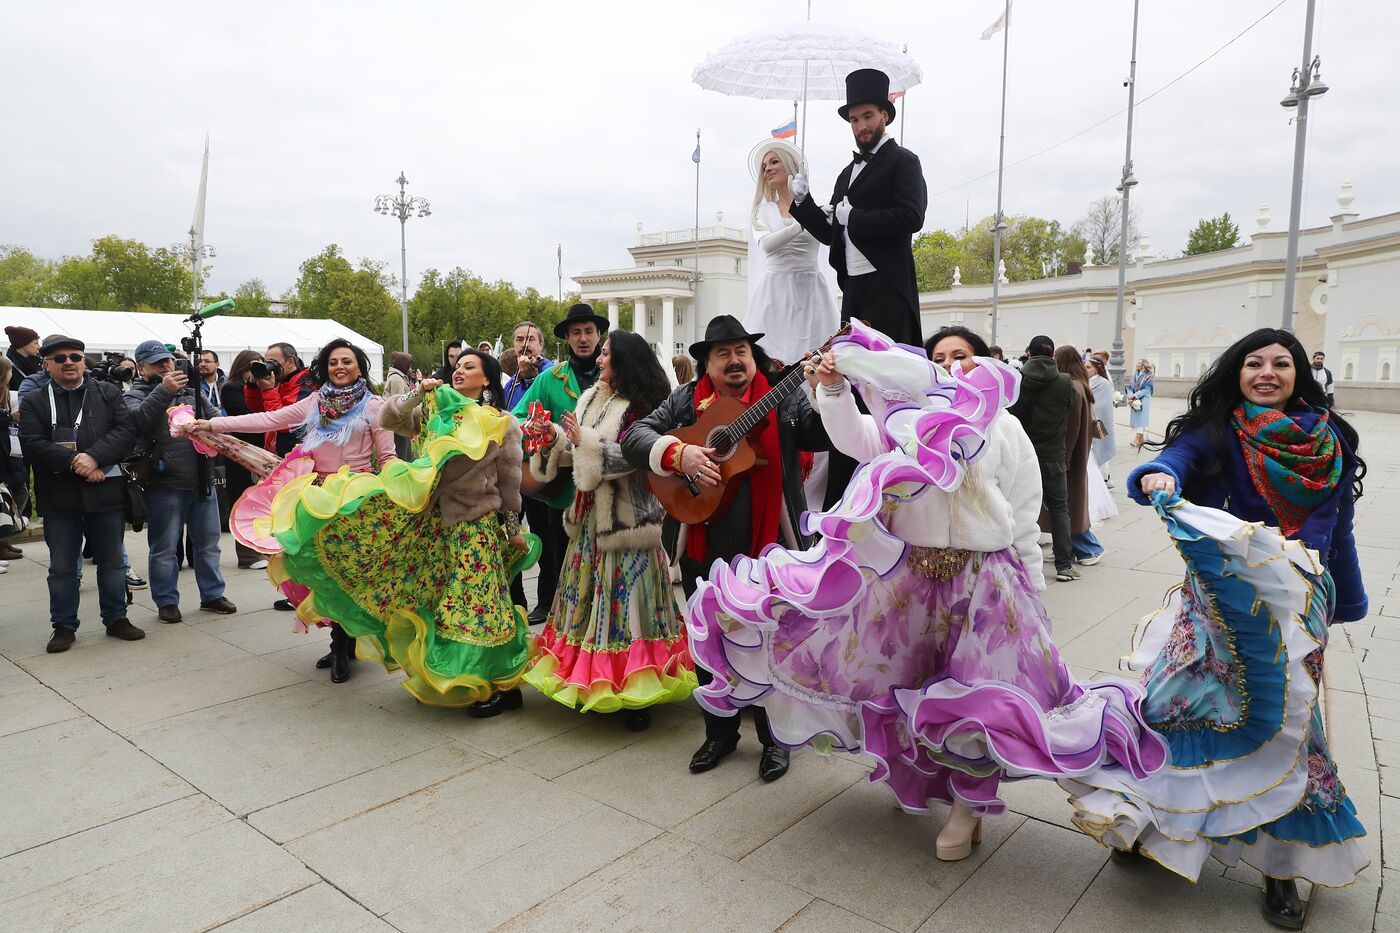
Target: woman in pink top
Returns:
[[339, 428]]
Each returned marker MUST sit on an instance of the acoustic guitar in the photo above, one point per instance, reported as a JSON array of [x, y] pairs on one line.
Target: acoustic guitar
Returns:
[[725, 426]]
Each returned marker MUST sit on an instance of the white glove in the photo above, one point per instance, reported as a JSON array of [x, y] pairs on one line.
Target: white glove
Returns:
[[799, 189], [843, 211]]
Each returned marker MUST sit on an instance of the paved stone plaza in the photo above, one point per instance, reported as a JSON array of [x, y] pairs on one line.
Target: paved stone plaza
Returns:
[[210, 777]]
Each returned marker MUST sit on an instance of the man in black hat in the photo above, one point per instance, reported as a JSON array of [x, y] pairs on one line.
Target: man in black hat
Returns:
[[769, 499], [877, 207], [558, 389], [76, 432]]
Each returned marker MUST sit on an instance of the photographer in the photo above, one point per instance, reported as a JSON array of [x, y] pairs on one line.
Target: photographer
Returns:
[[75, 432], [281, 382], [174, 500], [236, 476]]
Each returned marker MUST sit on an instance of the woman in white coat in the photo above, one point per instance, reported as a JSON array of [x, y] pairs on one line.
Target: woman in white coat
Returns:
[[913, 630]]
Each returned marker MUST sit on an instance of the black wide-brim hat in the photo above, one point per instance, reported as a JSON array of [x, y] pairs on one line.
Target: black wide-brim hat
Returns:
[[580, 314], [867, 86], [722, 329]]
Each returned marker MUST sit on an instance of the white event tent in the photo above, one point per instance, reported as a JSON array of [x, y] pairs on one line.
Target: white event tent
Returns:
[[121, 331]]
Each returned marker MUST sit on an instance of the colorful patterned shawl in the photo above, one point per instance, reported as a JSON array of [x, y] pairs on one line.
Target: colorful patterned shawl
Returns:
[[1293, 460], [337, 411]]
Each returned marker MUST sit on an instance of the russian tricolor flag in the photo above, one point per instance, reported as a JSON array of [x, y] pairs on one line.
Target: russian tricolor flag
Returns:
[[787, 131]]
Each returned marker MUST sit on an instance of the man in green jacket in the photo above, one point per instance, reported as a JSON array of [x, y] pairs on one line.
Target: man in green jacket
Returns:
[[558, 389], [1043, 405]]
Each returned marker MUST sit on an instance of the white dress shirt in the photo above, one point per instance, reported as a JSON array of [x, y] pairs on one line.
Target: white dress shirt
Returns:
[[856, 263]]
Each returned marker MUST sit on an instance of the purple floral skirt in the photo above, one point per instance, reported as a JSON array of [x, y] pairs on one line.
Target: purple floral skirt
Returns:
[[942, 670]]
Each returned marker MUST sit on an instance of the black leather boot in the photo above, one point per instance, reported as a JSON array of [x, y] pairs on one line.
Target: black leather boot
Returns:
[[341, 646], [498, 704], [1282, 905]]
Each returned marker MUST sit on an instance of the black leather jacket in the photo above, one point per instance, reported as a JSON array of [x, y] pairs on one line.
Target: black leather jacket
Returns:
[[799, 428]]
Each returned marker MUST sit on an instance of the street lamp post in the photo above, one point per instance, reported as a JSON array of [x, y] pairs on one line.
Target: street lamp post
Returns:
[[402, 207], [1116, 367], [1307, 84], [196, 254]]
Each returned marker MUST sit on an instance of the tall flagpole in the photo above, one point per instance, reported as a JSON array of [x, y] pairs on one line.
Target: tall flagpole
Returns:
[[999, 225], [559, 259], [802, 143], [1117, 366], [695, 279]]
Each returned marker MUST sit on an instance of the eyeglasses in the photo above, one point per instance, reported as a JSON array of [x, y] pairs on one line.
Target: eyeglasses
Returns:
[[67, 358]]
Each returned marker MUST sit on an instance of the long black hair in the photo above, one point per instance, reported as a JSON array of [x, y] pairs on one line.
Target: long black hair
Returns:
[[978, 345], [636, 374], [319, 373], [1214, 398], [492, 368]]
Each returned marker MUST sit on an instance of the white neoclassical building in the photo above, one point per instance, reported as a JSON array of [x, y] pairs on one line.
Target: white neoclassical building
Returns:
[[1181, 313], [668, 310]]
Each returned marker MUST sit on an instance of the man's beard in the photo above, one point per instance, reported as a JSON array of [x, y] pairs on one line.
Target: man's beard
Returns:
[[874, 141]]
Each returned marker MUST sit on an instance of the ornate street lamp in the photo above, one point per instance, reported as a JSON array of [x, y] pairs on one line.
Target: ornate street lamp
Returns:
[[402, 207], [196, 254]]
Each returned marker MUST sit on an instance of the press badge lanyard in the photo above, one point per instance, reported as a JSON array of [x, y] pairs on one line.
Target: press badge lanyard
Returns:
[[53, 412]]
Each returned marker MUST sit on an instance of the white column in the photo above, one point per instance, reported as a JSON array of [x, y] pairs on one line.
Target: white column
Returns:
[[612, 314], [639, 317], [668, 330]]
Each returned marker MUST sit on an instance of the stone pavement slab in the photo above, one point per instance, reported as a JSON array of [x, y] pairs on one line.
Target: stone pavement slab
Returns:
[[210, 777]]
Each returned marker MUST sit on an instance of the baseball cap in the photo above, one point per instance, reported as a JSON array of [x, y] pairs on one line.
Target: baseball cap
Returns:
[[151, 351]]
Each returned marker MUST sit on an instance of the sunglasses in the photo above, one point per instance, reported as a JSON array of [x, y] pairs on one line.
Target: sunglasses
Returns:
[[67, 358]]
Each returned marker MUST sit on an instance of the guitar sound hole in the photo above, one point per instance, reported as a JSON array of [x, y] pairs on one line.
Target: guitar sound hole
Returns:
[[719, 440]]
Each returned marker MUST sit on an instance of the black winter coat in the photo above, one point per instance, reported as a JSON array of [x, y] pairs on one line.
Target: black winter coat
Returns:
[[107, 434], [174, 461], [1043, 407], [799, 428]]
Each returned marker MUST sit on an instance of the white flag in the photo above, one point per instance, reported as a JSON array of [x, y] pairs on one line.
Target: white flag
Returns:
[[998, 25]]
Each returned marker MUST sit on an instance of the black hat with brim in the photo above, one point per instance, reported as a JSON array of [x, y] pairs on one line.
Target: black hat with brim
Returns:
[[58, 342], [580, 314], [867, 86], [723, 329]]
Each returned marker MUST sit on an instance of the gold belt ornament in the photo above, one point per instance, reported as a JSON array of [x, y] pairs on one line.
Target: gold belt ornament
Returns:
[[937, 563]]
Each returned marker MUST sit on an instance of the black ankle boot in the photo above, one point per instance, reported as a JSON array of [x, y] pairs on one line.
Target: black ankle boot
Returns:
[[498, 704], [341, 646], [1282, 906]]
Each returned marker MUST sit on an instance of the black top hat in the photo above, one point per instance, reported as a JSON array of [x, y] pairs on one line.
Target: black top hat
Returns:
[[867, 86], [580, 314], [722, 329]]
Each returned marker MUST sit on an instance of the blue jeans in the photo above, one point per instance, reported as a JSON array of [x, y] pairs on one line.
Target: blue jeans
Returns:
[[169, 513], [64, 535], [1084, 544]]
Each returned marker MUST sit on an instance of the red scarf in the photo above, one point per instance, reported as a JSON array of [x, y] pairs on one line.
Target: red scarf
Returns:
[[765, 481]]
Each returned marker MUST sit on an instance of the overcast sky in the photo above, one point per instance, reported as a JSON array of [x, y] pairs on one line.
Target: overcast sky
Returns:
[[534, 123]]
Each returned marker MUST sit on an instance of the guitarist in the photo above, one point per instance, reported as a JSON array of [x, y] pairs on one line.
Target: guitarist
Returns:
[[766, 502]]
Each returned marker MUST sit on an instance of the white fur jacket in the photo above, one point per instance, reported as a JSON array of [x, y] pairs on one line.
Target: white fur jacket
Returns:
[[625, 514], [995, 508]]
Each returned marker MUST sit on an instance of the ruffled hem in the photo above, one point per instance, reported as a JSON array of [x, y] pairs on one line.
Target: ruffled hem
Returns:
[[951, 742], [1247, 803], [442, 672], [649, 672], [250, 518]]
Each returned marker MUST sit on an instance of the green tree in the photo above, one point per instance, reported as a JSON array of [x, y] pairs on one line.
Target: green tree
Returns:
[[138, 278], [1216, 233], [251, 299], [936, 255], [313, 293], [77, 282], [24, 278]]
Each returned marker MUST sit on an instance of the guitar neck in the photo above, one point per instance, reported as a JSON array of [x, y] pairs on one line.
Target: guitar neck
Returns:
[[760, 409]]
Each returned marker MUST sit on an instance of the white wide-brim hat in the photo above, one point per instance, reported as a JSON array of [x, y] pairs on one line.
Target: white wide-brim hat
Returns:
[[757, 153]]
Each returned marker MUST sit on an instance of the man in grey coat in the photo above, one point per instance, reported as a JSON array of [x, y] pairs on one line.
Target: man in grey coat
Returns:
[[174, 501]]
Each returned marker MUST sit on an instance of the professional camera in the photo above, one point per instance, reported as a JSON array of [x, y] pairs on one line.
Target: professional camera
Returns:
[[261, 369], [110, 368]]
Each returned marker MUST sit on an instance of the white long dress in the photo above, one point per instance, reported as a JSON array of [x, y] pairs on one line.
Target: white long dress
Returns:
[[789, 300]]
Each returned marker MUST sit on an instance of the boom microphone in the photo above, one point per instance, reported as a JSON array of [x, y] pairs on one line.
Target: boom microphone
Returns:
[[208, 311]]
